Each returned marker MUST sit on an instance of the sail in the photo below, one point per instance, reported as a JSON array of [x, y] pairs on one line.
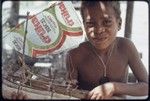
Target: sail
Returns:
[[53, 30]]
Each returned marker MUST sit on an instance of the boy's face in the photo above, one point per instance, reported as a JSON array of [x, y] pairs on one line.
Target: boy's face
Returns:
[[101, 25]]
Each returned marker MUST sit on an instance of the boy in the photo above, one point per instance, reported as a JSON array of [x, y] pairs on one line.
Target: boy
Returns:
[[101, 64]]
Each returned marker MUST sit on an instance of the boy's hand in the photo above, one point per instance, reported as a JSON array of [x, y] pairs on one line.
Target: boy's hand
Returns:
[[20, 95], [104, 91]]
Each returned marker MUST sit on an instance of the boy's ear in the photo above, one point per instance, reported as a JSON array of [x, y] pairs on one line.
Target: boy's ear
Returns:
[[119, 23]]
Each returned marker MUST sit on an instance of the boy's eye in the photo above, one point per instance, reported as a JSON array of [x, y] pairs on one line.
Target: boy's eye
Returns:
[[89, 24], [107, 22]]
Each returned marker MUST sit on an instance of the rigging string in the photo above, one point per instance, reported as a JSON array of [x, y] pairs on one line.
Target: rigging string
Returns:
[[52, 89], [23, 67], [72, 81], [50, 84], [70, 75], [71, 72], [76, 86]]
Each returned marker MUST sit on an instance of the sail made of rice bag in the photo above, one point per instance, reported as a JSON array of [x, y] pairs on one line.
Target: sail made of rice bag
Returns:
[[53, 30]]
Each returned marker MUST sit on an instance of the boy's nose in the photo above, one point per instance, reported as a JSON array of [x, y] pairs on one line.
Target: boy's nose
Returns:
[[99, 30]]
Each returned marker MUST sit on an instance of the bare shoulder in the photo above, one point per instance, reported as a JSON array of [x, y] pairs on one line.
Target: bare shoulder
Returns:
[[80, 49], [79, 52], [125, 43], [127, 47]]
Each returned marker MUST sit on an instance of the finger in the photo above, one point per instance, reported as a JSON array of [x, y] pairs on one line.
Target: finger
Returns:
[[20, 95], [25, 96], [13, 95], [93, 97], [102, 97], [107, 97], [89, 94], [98, 97]]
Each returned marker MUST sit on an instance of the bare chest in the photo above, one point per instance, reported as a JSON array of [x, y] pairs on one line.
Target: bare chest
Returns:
[[91, 68]]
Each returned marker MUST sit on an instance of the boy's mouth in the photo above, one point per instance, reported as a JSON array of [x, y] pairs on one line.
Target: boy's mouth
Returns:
[[100, 39]]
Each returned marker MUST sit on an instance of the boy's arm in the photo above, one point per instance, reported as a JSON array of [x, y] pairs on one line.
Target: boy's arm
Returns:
[[138, 69], [136, 89]]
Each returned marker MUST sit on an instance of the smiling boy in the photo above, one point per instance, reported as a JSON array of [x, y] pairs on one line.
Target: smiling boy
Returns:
[[101, 63]]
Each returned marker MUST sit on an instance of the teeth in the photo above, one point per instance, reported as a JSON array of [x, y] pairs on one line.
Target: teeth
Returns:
[[101, 39]]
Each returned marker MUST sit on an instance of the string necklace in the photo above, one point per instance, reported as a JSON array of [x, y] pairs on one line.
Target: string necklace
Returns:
[[104, 79]]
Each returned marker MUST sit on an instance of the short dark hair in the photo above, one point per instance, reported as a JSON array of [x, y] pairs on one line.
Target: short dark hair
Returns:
[[114, 4]]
